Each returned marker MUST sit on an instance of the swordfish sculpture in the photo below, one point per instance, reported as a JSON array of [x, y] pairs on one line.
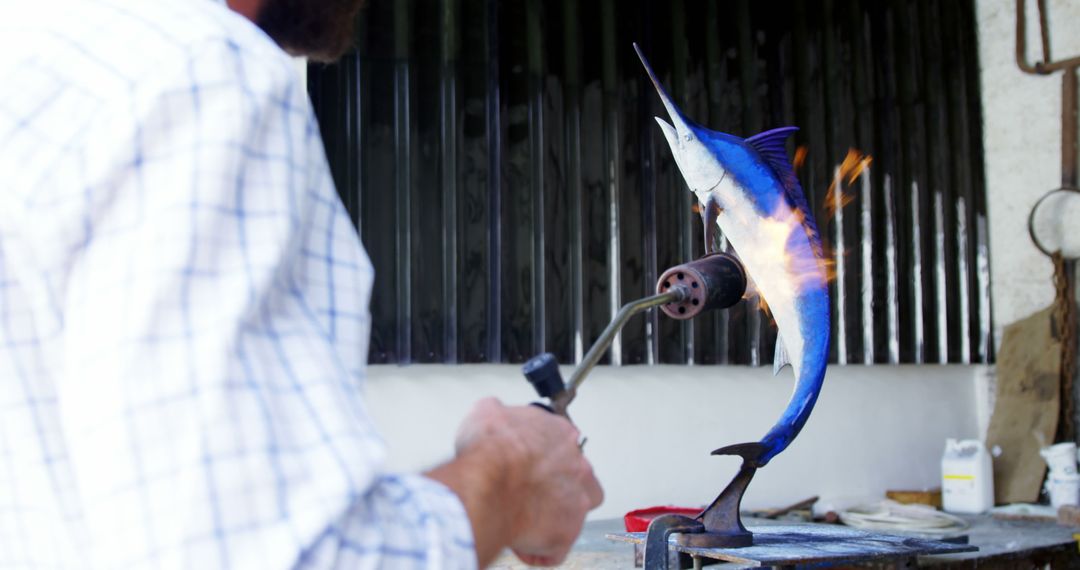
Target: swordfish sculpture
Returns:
[[748, 190]]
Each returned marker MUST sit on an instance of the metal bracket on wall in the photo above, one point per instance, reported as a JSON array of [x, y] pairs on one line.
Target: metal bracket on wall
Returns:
[[1068, 91], [1064, 267]]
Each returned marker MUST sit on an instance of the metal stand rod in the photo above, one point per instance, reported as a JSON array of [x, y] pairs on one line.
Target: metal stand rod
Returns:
[[1069, 126]]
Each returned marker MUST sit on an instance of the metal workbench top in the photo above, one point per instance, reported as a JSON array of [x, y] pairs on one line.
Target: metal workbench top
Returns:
[[1002, 543]]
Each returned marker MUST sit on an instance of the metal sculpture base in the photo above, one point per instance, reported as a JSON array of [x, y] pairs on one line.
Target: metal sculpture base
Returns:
[[723, 527], [718, 526], [718, 533], [720, 523]]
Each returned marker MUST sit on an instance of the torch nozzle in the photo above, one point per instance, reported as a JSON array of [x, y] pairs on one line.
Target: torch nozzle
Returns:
[[716, 281]]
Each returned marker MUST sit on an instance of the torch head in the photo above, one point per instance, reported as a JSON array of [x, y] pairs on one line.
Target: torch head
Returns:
[[716, 281]]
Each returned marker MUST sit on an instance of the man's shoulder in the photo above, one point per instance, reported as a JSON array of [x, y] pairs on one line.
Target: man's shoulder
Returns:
[[105, 46]]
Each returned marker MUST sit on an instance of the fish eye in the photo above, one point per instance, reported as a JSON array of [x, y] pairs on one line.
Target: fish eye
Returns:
[[688, 136]]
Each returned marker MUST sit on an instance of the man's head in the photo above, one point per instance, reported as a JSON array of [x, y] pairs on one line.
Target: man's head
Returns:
[[319, 29]]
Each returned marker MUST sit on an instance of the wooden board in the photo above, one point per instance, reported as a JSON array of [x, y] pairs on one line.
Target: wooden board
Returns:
[[790, 545], [1028, 399], [931, 497], [1069, 515]]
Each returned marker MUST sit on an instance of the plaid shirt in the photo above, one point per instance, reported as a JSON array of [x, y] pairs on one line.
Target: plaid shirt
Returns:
[[183, 309]]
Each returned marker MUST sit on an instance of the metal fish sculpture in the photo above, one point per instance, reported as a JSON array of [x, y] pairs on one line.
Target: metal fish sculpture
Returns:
[[747, 189]]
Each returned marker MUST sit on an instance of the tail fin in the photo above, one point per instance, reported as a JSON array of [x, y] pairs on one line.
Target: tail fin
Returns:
[[750, 452]]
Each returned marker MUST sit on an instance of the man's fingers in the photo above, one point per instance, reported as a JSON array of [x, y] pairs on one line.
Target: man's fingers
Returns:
[[554, 550], [593, 490], [537, 560], [488, 404], [549, 418]]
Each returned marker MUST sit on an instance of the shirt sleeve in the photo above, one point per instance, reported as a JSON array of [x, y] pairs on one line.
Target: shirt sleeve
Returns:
[[213, 296]]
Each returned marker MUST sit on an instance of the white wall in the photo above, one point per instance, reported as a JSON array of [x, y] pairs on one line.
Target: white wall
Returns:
[[1022, 138], [651, 429]]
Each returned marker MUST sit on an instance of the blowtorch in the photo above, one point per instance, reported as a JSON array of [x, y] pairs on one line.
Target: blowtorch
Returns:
[[716, 281]]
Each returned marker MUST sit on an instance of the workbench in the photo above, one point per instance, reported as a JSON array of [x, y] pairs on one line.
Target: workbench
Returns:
[[1002, 544]]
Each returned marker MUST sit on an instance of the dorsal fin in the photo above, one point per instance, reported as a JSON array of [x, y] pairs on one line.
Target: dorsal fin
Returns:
[[771, 146]]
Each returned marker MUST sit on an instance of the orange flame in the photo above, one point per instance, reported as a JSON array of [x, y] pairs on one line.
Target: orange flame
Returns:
[[850, 169], [774, 231], [828, 263], [795, 263], [808, 269], [800, 157], [853, 166]]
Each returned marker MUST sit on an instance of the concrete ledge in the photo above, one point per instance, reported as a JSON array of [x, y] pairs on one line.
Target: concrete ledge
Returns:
[[651, 429]]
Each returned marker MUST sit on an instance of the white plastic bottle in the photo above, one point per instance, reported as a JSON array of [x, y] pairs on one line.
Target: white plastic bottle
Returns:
[[967, 477]]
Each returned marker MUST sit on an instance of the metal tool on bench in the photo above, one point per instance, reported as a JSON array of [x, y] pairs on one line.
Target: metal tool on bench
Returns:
[[716, 281]]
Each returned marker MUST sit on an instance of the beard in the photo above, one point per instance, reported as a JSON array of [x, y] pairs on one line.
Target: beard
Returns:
[[322, 30]]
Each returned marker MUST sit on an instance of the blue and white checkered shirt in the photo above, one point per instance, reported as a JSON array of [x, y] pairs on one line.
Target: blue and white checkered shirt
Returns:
[[183, 309]]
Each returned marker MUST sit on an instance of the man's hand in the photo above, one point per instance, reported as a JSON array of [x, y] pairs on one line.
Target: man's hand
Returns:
[[554, 486], [523, 480]]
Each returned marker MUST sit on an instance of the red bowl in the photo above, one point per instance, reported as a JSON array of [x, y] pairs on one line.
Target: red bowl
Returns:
[[638, 520]]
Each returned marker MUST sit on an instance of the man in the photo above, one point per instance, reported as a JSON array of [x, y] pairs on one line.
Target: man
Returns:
[[183, 317]]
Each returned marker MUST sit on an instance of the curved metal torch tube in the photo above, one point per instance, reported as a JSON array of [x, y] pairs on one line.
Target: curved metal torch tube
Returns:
[[675, 295]]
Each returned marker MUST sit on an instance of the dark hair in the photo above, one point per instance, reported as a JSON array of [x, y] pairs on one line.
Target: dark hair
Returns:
[[319, 29]]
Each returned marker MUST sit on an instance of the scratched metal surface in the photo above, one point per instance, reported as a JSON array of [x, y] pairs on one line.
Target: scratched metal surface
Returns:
[[481, 145], [792, 545], [1002, 544]]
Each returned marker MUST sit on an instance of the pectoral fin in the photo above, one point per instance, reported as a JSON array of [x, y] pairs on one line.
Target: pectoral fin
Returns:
[[710, 210], [780, 356]]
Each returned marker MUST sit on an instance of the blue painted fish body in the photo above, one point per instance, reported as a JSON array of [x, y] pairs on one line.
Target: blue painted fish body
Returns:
[[748, 189]]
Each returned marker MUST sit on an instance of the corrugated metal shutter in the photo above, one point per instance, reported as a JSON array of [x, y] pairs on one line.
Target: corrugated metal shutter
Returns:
[[502, 165]]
